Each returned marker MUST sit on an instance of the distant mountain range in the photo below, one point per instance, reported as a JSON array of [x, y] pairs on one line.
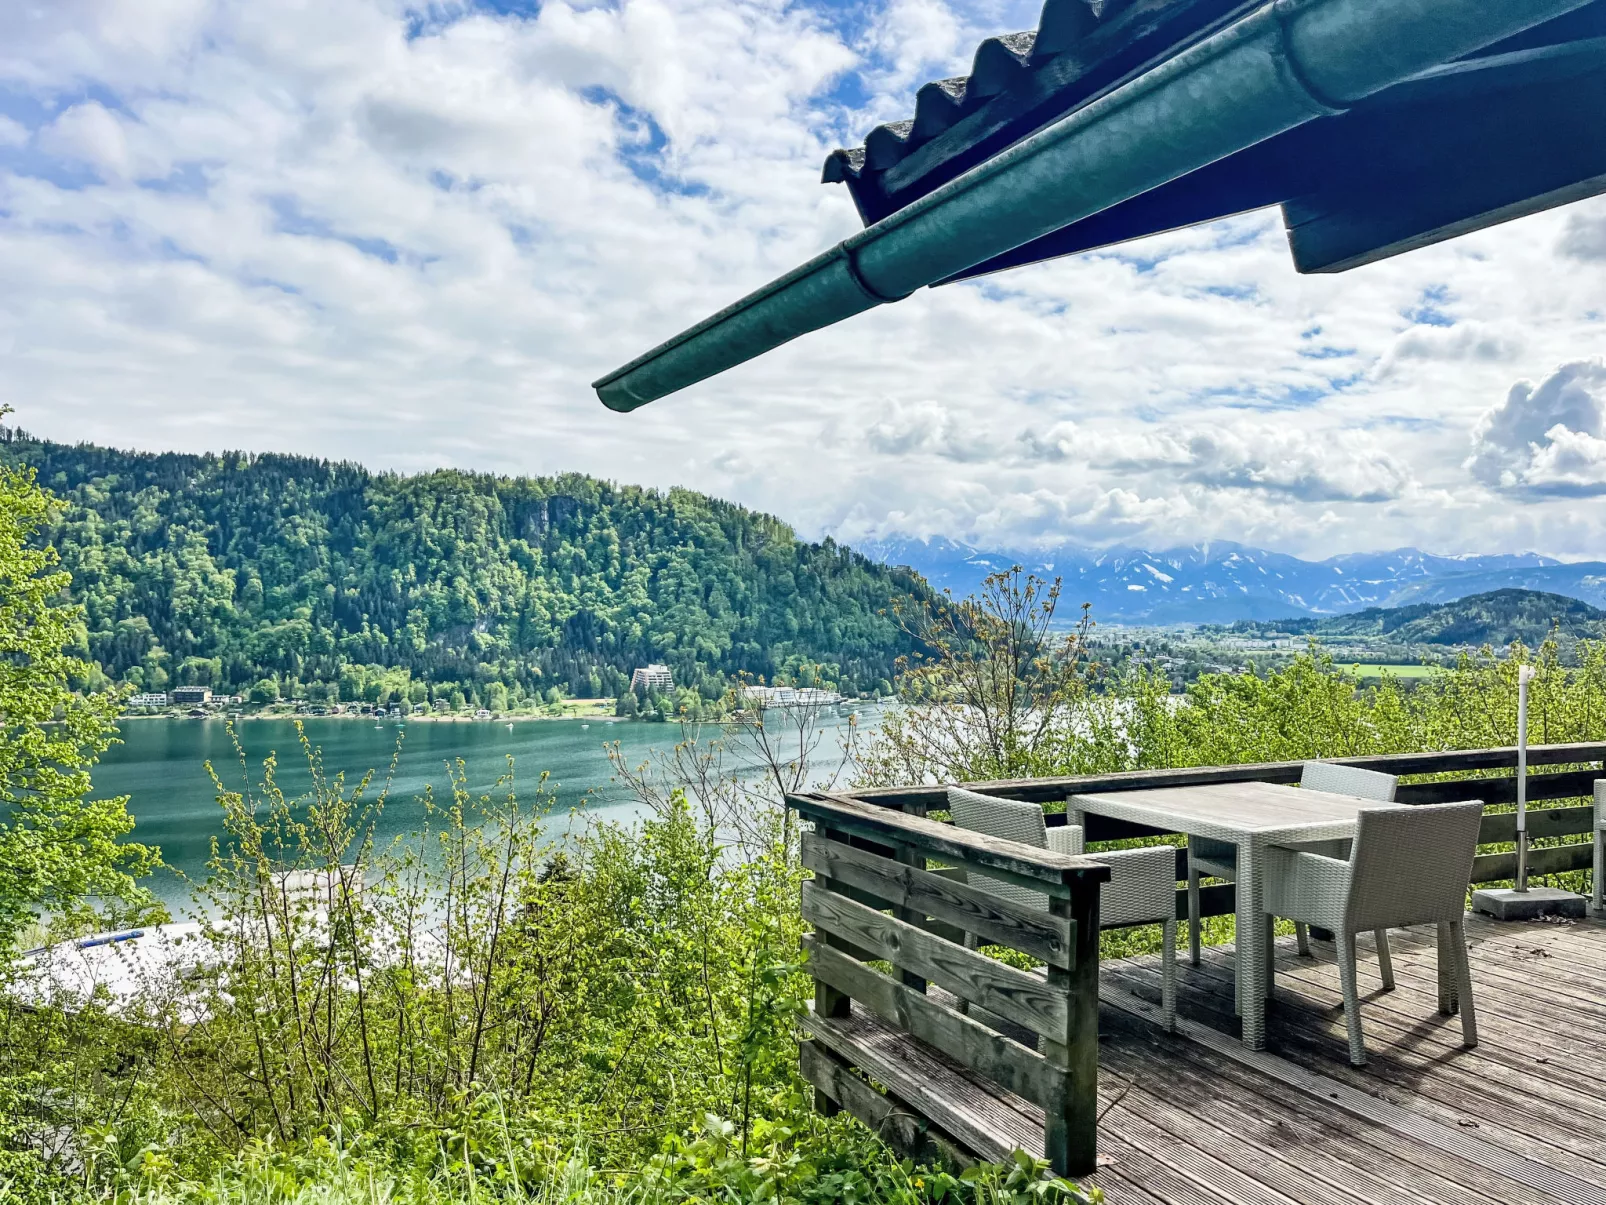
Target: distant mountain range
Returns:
[[1220, 582], [1496, 618]]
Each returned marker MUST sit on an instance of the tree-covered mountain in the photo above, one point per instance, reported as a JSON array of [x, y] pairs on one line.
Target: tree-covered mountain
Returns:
[[1496, 618], [283, 574]]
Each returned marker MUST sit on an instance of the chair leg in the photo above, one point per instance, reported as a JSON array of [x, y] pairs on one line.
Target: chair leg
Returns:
[[1463, 981], [1271, 955], [1352, 998], [1446, 968], [1168, 975], [1302, 936], [1385, 964], [1193, 916]]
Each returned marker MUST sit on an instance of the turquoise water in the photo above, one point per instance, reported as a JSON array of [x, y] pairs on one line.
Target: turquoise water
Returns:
[[161, 767]]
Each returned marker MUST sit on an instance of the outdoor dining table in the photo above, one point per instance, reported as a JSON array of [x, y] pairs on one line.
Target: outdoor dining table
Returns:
[[1252, 816]]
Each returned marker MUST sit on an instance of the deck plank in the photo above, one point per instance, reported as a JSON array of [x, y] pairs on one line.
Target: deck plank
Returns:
[[1191, 1120], [1406, 1032], [1423, 1172], [1441, 1093]]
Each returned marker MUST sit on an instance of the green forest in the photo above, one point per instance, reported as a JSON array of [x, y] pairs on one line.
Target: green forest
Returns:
[[276, 576], [1497, 618]]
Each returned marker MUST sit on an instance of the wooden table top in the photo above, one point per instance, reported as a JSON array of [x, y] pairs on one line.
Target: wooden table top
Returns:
[[1246, 807]]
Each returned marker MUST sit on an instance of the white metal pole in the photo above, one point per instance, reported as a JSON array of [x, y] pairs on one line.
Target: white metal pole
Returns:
[[1525, 675]]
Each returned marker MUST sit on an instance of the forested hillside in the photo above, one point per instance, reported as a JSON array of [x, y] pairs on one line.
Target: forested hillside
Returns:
[[279, 574], [1496, 618]]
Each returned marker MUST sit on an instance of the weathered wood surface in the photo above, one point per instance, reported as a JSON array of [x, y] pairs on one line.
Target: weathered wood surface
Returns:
[[1042, 870], [1071, 1131], [899, 1127], [987, 1122], [1495, 868], [1542, 822], [1045, 937], [1053, 790], [1568, 784], [1009, 1064], [1018, 996], [1241, 807], [1185, 1124], [1532, 1095]]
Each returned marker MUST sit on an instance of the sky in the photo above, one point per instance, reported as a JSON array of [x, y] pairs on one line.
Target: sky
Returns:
[[411, 234]]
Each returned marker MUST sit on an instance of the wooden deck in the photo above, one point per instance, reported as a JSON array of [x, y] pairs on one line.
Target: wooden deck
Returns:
[[1193, 1118]]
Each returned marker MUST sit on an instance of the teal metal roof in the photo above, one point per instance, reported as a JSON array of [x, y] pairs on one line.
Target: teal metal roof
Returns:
[[1378, 126]]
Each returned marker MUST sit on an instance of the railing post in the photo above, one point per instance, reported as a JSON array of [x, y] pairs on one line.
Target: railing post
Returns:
[[828, 1002], [1071, 1138]]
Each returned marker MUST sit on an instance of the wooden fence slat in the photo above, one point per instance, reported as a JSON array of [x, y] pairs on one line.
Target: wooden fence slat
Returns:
[[1017, 996], [1542, 822], [1569, 784], [1041, 870], [1044, 937], [935, 1101], [1494, 868], [1007, 1063], [886, 1118]]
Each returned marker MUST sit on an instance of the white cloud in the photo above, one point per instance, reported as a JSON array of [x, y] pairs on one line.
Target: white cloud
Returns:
[[329, 229], [1312, 466], [1465, 341], [1584, 237], [1549, 438], [88, 133]]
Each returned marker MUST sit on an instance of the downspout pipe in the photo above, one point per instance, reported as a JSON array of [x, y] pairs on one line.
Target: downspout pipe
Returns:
[[1275, 68]]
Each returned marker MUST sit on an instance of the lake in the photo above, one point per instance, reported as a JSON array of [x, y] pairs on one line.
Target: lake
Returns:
[[161, 767]]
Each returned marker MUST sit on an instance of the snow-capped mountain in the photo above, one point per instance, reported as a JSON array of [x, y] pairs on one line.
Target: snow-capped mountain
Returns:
[[1220, 581]]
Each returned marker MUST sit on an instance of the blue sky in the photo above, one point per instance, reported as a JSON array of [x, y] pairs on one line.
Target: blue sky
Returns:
[[412, 234]]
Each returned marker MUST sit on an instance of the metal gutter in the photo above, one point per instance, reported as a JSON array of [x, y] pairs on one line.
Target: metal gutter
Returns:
[[1278, 67]]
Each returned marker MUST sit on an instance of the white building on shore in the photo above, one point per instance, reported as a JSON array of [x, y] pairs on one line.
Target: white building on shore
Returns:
[[650, 678], [790, 696]]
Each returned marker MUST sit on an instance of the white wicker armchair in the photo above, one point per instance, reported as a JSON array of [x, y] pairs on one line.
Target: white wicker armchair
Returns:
[[1599, 839], [1408, 866], [1142, 888], [1219, 859]]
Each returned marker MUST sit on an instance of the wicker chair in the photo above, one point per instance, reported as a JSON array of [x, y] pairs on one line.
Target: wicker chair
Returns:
[[1219, 859], [1142, 888], [1408, 866], [1599, 838]]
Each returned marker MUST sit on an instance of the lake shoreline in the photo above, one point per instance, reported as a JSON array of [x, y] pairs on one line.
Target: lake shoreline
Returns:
[[600, 716]]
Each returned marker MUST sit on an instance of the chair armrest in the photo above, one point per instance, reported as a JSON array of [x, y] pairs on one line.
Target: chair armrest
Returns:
[[1068, 839], [1142, 887], [1306, 887]]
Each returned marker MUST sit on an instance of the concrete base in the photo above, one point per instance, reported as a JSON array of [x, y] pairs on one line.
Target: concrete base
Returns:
[[1509, 904]]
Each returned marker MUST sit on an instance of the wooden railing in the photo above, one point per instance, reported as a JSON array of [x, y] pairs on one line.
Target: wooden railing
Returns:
[[869, 861], [888, 888], [1493, 789]]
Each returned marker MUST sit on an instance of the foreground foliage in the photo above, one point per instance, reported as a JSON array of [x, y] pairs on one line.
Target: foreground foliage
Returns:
[[473, 1013], [60, 848]]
